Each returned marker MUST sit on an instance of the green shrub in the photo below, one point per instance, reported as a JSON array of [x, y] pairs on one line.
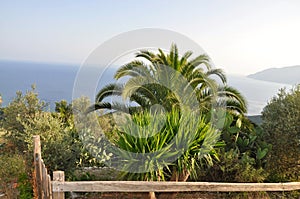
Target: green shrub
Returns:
[[60, 144], [27, 116], [14, 180], [233, 167], [281, 122], [18, 112], [25, 186], [242, 157]]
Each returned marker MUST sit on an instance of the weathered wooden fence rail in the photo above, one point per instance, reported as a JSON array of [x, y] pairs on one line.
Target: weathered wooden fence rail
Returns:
[[143, 186], [56, 188]]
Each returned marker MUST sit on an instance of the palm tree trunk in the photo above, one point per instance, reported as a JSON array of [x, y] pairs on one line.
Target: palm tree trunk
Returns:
[[177, 177]]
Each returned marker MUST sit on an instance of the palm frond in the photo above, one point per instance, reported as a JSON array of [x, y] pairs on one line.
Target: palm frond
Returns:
[[234, 95], [174, 57], [133, 84], [97, 106], [109, 90], [219, 73], [201, 59], [162, 58], [185, 58], [146, 55], [113, 106], [133, 69]]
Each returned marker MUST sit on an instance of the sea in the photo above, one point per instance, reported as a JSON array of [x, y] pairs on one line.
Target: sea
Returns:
[[56, 82]]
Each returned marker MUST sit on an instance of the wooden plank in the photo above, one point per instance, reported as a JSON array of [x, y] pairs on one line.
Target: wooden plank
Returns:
[[49, 186], [58, 176], [44, 181], [38, 165], [46, 190], [143, 186]]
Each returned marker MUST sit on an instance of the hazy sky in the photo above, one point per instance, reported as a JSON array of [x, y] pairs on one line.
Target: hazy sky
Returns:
[[242, 36]]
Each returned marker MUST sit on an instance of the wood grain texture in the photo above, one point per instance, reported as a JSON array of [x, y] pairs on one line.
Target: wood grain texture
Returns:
[[143, 186], [59, 177], [38, 166]]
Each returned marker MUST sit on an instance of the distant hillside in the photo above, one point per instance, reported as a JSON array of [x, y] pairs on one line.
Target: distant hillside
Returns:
[[285, 75], [256, 119]]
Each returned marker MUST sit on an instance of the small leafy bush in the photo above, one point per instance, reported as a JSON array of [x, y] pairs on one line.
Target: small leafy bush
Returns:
[[60, 144], [233, 167], [19, 111], [14, 180], [242, 157]]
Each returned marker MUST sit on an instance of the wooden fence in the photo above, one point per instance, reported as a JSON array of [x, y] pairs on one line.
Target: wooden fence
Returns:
[[42, 180], [55, 189]]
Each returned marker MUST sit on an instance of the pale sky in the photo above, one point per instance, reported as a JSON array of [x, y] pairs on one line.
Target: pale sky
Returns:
[[240, 36]]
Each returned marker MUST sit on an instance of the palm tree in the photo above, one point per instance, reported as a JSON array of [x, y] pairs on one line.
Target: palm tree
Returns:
[[197, 72], [159, 78]]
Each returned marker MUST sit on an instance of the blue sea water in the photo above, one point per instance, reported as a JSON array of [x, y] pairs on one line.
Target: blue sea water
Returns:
[[257, 92], [55, 82]]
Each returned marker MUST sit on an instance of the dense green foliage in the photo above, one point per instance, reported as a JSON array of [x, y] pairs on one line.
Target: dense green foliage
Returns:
[[60, 143], [62, 149], [281, 122], [204, 135], [169, 150], [14, 180], [243, 155], [25, 116], [22, 109]]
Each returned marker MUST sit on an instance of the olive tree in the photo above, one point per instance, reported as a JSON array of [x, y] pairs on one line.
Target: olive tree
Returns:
[[281, 122]]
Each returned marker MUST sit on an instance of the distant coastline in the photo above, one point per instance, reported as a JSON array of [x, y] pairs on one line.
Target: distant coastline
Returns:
[[284, 75]]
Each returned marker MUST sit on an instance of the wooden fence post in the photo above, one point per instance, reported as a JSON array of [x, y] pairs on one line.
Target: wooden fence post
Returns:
[[60, 177], [38, 166]]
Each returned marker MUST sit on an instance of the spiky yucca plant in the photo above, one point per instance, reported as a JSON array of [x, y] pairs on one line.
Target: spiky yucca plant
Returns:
[[170, 151]]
